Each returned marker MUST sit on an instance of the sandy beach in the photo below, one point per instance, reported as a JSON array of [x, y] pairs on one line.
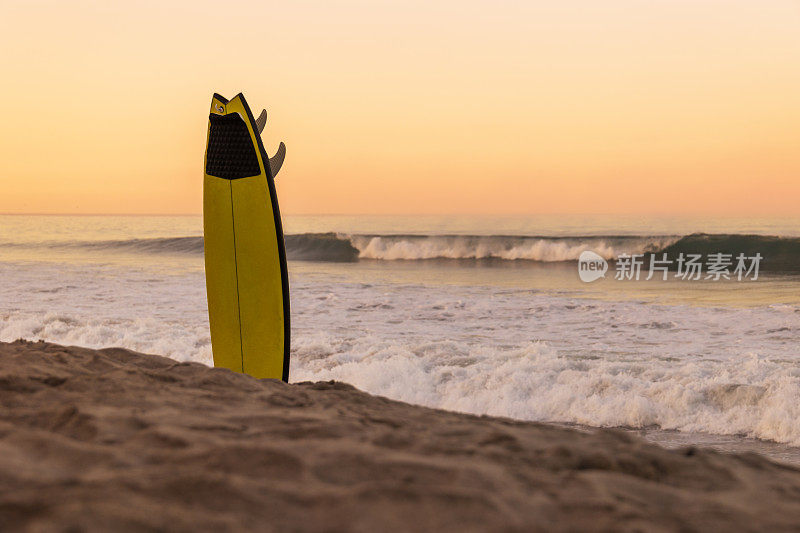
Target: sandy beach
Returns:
[[117, 440]]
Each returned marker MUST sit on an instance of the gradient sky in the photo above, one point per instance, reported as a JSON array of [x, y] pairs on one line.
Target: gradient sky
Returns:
[[619, 106]]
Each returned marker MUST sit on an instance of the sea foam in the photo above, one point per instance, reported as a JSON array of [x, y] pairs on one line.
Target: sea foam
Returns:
[[486, 350]]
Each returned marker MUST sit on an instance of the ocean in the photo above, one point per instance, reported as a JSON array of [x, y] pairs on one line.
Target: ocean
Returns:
[[486, 315]]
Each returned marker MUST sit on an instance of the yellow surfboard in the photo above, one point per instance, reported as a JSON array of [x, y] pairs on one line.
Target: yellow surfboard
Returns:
[[246, 277]]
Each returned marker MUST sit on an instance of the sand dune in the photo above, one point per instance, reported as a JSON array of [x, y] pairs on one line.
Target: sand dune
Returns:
[[116, 440]]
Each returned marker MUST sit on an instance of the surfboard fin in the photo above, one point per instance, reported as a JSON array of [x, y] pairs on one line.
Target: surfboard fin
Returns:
[[276, 161], [261, 121]]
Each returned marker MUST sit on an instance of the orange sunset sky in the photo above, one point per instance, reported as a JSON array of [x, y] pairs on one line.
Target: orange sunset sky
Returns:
[[648, 106]]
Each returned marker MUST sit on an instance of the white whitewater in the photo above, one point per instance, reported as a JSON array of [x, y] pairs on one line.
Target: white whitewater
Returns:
[[463, 338]]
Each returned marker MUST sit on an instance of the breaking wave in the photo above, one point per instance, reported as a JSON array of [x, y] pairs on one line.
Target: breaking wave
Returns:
[[779, 253]]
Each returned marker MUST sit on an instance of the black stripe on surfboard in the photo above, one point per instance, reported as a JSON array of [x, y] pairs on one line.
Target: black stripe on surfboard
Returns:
[[236, 273]]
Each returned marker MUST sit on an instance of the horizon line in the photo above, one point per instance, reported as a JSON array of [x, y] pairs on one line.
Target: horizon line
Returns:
[[656, 215]]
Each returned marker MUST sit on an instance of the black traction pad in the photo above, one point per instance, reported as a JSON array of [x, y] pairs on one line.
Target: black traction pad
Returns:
[[230, 154]]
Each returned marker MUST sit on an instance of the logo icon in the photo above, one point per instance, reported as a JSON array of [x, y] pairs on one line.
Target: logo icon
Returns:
[[591, 266]]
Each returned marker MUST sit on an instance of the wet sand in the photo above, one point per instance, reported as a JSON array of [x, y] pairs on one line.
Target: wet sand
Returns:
[[117, 440]]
